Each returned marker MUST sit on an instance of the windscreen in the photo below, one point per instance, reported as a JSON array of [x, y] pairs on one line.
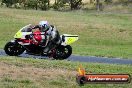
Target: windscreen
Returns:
[[27, 28]]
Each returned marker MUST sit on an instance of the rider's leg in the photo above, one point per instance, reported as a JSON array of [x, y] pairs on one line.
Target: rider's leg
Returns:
[[53, 43], [49, 46]]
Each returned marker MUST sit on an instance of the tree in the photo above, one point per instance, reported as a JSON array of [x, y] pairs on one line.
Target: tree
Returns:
[[99, 5], [108, 1], [31, 4], [75, 4], [59, 4], [9, 2], [44, 4]]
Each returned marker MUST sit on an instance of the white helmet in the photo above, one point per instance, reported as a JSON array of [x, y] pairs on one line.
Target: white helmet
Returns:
[[44, 24]]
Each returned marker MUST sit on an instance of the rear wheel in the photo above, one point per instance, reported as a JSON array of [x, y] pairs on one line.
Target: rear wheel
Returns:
[[63, 52], [13, 49]]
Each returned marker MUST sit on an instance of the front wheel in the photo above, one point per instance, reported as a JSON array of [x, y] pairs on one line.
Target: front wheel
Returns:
[[63, 52], [13, 49]]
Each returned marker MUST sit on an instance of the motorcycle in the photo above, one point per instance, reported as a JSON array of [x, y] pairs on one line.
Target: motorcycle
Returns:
[[29, 40]]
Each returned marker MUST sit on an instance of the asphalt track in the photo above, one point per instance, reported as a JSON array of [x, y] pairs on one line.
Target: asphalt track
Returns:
[[82, 58]]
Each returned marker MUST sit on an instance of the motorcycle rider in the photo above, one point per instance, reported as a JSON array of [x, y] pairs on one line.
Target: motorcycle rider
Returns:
[[52, 37]]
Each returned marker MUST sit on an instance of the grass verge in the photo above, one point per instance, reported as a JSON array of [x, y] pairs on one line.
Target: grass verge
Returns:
[[17, 72]]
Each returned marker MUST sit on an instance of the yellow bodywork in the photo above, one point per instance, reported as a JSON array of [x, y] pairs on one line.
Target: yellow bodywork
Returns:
[[70, 39], [18, 34], [21, 34]]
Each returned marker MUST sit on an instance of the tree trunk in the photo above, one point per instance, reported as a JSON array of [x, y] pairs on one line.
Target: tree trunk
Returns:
[[55, 2], [48, 4], [97, 5], [71, 1]]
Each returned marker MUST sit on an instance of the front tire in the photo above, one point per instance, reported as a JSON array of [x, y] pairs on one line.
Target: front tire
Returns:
[[13, 49]]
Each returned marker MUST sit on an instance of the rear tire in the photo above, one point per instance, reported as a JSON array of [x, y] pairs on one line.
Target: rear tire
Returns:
[[13, 49], [68, 52], [64, 52]]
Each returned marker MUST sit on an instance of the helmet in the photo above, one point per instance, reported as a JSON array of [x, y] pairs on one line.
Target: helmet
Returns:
[[44, 24]]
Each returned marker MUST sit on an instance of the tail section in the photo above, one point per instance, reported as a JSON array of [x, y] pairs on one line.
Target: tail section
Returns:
[[68, 39]]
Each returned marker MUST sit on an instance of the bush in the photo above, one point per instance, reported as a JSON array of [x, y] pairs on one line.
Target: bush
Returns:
[[44, 4], [73, 4], [59, 4], [31, 4], [9, 3], [17, 6]]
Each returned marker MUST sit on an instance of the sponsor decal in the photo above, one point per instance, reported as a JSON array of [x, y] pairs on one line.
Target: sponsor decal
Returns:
[[83, 78]]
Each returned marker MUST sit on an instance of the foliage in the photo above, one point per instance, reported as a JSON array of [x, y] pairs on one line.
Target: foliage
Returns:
[[108, 1], [75, 4], [31, 3], [63, 4], [9, 2], [34, 4], [43, 4], [59, 4]]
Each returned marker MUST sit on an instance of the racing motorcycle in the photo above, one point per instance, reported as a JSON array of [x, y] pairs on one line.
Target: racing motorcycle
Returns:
[[29, 40]]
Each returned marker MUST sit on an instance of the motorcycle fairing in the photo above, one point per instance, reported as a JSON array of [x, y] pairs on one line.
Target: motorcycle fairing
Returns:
[[23, 32], [69, 39]]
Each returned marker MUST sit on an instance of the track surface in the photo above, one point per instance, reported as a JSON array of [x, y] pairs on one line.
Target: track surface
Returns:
[[82, 58]]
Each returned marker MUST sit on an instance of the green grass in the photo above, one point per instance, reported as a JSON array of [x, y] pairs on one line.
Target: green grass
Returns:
[[39, 73], [100, 34]]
